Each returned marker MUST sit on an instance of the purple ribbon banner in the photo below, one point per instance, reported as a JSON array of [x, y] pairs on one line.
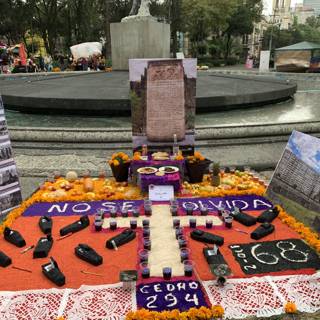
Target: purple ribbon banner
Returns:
[[160, 296], [71, 208]]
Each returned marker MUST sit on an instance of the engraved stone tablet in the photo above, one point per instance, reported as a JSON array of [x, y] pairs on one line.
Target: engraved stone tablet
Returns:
[[165, 100]]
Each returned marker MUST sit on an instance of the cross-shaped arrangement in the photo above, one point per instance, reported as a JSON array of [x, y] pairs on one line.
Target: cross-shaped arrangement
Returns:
[[165, 251]]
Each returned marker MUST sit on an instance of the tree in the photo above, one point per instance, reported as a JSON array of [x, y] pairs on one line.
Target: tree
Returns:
[[204, 17], [241, 21], [310, 31], [47, 15], [15, 20]]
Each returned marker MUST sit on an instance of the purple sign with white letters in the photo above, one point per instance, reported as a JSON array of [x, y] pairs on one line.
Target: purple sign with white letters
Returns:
[[71, 208], [159, 296]]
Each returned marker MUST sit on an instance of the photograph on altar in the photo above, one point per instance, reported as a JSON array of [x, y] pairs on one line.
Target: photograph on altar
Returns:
[[163, 96], [297, 175], [10, 193]]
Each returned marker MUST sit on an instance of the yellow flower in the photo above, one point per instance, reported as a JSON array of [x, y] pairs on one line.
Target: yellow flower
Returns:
[[217, 311], [116, 163], [290, 307]]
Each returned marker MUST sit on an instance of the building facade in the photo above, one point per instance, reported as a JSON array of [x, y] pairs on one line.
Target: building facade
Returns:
[[315, 4], [302, 12], [281, 13], [295, 180]]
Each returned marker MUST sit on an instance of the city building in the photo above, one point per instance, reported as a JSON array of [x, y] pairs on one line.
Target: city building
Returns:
[[281, 13], [295, 180], [256, 37], [302, 12], [315, 4]]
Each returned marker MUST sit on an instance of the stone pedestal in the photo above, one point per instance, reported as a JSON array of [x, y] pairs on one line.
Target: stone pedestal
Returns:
[[138, 38]]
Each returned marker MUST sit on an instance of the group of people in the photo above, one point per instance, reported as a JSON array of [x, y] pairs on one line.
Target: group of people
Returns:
[[11, 63]]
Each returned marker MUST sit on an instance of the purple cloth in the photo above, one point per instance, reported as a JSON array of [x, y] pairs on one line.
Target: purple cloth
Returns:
[[71, 208], [250, 202], [172, 179], [169, 295]]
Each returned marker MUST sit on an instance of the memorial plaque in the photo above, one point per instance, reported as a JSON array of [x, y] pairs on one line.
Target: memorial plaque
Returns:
[[273, 256], [165, 100]]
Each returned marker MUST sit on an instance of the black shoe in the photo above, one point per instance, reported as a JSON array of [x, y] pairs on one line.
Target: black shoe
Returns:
[[45, 224], [244, 218], [43, 247], [268, 215], [14, 237], [86, 253], [53, 273], [82, 223], [262, 231], [206, 237], [122, 238], [4, 260]]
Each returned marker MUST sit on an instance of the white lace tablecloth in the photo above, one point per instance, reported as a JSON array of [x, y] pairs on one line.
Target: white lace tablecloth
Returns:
[[263, 296]]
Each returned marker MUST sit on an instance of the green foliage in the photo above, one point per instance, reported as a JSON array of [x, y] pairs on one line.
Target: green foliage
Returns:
[[135, 100], [223, 20], [216, 169], [296, 33]]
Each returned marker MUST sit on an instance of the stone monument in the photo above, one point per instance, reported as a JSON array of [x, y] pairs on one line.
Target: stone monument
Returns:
[[163, 103], [165, 100], [139, 36]]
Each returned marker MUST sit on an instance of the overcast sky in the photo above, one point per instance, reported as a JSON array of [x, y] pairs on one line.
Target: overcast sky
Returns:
[[268, 5]]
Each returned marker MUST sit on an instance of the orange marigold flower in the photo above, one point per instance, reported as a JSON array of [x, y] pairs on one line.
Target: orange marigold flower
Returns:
[[116, 163], [217, 311], [290, 307], [197, 154]]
